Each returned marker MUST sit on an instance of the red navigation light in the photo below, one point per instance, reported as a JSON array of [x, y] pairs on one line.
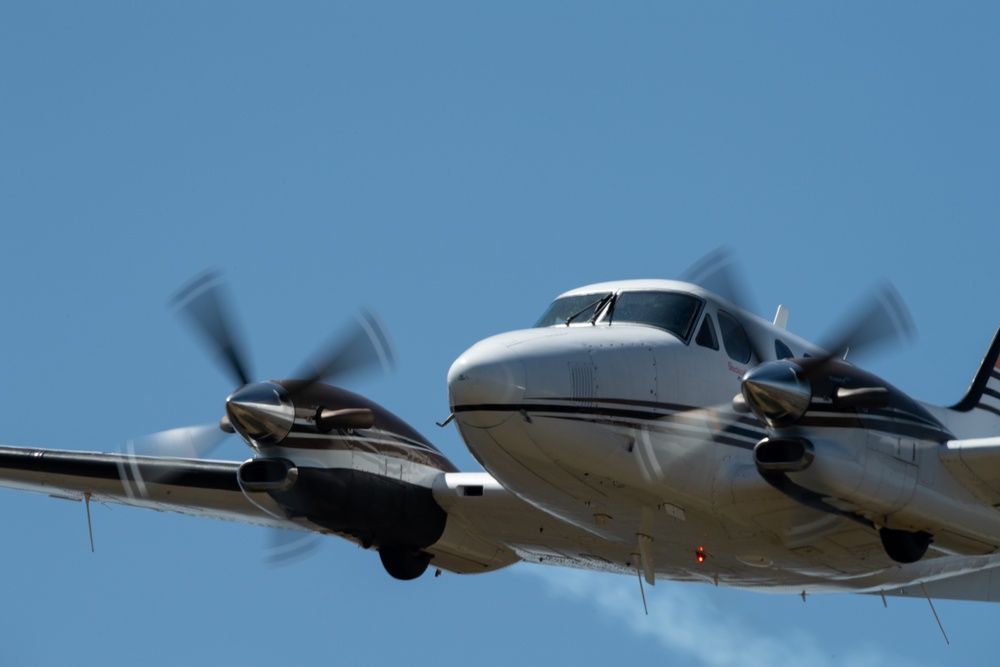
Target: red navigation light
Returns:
[[700, 555]]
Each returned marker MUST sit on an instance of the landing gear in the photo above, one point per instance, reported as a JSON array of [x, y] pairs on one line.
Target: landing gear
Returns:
[[403, 563], [904, 546]]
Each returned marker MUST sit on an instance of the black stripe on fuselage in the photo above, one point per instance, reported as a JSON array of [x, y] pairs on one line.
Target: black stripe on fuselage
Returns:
[[643, 410], [901, 424], [725, 434]]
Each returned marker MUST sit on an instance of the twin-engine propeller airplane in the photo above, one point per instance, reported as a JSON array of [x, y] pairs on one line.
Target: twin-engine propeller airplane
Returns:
[[646, 426]]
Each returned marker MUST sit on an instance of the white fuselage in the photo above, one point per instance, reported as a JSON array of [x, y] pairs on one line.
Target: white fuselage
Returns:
[[626, 431]]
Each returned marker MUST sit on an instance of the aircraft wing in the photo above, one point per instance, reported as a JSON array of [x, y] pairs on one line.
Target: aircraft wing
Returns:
[[976, 464], [488, 527], [187, 486], [981, 586], [485, 531]]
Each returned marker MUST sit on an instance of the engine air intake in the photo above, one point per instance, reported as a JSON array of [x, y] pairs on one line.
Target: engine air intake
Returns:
[[267, 475], [783, 454]]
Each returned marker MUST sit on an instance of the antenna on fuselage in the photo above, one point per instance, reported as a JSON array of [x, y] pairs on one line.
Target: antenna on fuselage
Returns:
[[781, 317]]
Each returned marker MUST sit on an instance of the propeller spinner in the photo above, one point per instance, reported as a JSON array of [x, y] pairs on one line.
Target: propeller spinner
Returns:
[[261, 413], [778, 392]]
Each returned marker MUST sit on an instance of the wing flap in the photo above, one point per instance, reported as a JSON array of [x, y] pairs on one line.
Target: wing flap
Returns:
[[976, 586]]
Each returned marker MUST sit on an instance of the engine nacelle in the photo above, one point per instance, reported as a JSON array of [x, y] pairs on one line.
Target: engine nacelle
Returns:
[[342, 462], [872, 482], [399, 518], [877, 483]]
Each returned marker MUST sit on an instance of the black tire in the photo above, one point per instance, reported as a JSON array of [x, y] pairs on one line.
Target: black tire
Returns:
[[402, 563], [903, 546]]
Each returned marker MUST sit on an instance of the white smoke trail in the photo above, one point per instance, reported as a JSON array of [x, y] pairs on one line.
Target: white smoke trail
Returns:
[[686, 622]]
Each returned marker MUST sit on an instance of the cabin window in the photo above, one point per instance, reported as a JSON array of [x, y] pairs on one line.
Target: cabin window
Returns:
[[781, 351], [578, 308], [672, 311], [706, 334], [735, 338]]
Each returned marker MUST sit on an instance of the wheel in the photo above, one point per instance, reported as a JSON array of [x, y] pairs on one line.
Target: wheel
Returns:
[[402, 563], [903, 546]]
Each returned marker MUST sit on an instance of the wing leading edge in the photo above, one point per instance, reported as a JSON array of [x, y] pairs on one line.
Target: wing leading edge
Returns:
[[186, 486]]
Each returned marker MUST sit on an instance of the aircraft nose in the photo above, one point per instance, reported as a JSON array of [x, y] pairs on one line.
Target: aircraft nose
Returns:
[[486, 384]]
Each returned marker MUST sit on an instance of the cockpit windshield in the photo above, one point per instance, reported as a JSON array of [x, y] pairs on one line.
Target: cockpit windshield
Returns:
[[570, 309], [675, 312]]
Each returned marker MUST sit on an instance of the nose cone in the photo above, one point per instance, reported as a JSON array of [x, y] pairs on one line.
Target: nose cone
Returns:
[[486, 384], [261, 413]]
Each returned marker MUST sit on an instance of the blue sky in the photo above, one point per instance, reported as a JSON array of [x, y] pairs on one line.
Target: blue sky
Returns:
[[455, 166]]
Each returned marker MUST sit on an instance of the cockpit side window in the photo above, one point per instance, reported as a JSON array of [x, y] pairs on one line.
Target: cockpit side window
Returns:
[[782, 351], [675, 312], [579, 308], [735, 338], [706, 334]]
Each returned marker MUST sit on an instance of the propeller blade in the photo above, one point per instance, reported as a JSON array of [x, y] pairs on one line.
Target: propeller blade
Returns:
[[719, 272], [722, 423], [203, 301], [191, 442], [289, 546], [880, 318], [365, 344]]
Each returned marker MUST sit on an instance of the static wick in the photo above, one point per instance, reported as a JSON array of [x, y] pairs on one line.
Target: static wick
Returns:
[[934, 611], [446, 421], [90, 526], [642, 591]]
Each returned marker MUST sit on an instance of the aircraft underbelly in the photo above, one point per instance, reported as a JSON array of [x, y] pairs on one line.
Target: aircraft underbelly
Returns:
[[614, 493]]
